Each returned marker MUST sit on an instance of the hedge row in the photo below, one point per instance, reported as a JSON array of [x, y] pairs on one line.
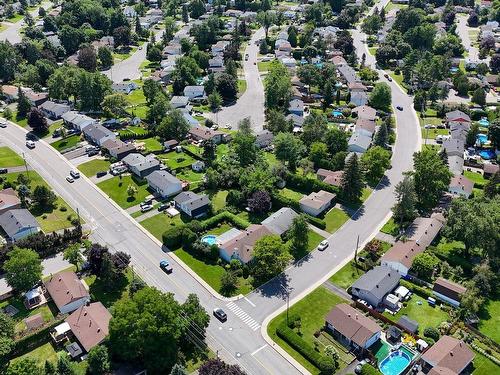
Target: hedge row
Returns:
[[421, 291], [309, 184], [317, 222], [224, 216], [324, 364], [368, 369], [126, 135]]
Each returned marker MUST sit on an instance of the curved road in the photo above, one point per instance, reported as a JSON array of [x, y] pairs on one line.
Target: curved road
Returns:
[[251, 103], [238, 340]]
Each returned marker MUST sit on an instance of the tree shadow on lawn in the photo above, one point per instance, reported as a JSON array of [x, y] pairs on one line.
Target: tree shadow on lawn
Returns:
[[100, 291]]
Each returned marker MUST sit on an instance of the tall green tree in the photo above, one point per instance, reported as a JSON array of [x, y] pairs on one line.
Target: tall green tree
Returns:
[[375, 161], [114, 105], [23, 104], [73, 255], [380, 97], [404, 211], [244, 144], [298, 235], [382, 136], [352, 179], [173, 126], [270, 257], [158, 109], [288, 149], [277, 86], [266, 20], [431, 177], [24, 366], [23, 269], [98, 360]]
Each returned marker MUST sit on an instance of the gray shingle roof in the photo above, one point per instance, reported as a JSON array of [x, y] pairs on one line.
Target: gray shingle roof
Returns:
[[13, 221], [379, 281], [162, 179], [192, 199], [280, 221]]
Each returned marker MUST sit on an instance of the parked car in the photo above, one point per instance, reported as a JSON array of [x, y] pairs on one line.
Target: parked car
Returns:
[[101, 174], [3, 123], [246, 57], [323, 245], [165, 266], [74, 174], [146, 207], [3, 170], [92, 152], [70, 179], [163, 207], [399, 108], [220, 314], [30, 144]]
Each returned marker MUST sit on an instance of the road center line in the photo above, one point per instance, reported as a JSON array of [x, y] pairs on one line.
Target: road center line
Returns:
[[250, 302], [259, 349]]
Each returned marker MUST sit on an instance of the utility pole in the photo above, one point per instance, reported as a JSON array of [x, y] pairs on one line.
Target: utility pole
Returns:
[[26, 166], [356, 254]]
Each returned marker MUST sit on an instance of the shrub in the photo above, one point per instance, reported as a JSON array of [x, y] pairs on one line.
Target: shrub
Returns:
[[421, 291], [224, 216], [316, 221], [432, 333], [368, 369], [172, 237], [63, 208], [309, 185]]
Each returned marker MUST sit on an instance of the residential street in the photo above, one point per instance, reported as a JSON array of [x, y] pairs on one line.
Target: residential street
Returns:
[[13, 31], [251, 103]]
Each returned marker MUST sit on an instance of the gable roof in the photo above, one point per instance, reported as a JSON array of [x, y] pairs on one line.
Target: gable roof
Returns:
[[280, 221], [191, 199], [90, 324], [365, 124], [360, 139], [330, 177], [8, 198], [409, 324], [352, 324], [243, 243], [203, 132], [162, 179], [423, 230], [403, 252], [140, 162], [317, 200], [449, 288], [462, 183], [453, 145], [65, 287], [457, 116], [449, 352], [366, 112], [379, 281], [97, 132], [13, 221]]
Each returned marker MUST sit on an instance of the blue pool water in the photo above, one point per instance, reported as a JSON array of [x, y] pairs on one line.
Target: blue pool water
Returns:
[[482, 138], [487, 154], [336, 113], [484, 122], [395, 363], [209, 239]]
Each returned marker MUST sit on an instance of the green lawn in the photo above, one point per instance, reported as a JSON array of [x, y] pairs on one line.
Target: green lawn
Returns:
[[219, 200], [372, 50], [48, 311], [334, 219], [484, 365], [490, 319], [263, 66], [9, 158], [423, 313], [136, 97], [116, 188], [477, 178], [211, 273], [90, 168], [242, 86], [139, 111], [194, 178], [53, 127], [291, 194], [390, 228], [346, 276], [99, 291], [176, 160], [152, 144], [65, 143], [312, 310], [49, 218], [313, 240], [390, 5], [194, 149], [158, 224], [15, 18]]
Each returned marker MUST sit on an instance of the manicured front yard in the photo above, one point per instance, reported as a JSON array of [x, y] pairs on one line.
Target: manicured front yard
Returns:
[[312, 310], [346, 275], [334, 219], [419, 310], [99, 291], [263, 66], [116, 188], [66, 143], [9, 158], [313, 240], [158, 224], [390, 227], [91, 168]]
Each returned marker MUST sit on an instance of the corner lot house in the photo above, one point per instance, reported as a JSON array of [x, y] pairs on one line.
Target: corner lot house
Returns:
[[460, 186], [400, 256], [90, 324], [241, 246], [316, 203], [280, 221], [163, 183], [351, 327], [18, 223], [448, 291], [9, 200], [192, 204], [374, 285], [141, 165], [54, 110], [448, 356], [67, 291]]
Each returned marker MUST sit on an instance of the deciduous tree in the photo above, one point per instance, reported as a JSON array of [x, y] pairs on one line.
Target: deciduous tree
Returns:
[[288, 149], [98, 360], [23, 269], [270, 257], [404, 211], [375, 161], [173, 126], [37, 121]]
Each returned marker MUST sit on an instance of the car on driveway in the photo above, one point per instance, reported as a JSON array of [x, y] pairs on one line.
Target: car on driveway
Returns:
[[323, 245], [146, 207], [163, 207], [70, 179], [165, 266], [30, 144], [101, 174], [220, 314]]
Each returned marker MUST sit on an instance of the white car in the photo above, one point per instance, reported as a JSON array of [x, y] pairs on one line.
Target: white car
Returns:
[[30, 144], [323, 245], [146, 207], [74, 174], [3, 123], [70, 179]]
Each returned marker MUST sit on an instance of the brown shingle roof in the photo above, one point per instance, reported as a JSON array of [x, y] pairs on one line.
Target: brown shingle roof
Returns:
[[90, 324], [352, 324], [491, 168], [8, 198], [65, 287], [423, 230], [403, 252], [450, 353], [317, 200], [462, 183], [449, 288], [330, 177], [243, 243]]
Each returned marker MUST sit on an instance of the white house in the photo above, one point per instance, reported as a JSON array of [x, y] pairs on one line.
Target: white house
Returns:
[[163, 183], [67, 291], [125, 87], [359, 142], [316, 203]]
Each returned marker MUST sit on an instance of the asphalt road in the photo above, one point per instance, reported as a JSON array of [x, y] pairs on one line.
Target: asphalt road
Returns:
[[251, 103], [13, 31], [131, 67]]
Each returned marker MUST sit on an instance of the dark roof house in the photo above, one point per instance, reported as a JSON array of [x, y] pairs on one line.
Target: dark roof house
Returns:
[[448, 291], [280, 221]]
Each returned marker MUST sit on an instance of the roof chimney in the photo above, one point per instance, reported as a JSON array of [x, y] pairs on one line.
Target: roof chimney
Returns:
[[376, 286]]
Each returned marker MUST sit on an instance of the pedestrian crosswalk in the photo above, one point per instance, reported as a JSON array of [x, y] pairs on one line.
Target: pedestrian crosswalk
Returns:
[[247, 319]]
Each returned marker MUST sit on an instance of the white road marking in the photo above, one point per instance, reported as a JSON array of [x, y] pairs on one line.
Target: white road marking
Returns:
[[250, 302], [259, 349], [245, 318]]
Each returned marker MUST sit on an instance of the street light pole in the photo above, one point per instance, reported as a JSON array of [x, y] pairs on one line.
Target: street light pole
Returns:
[[287, 301]]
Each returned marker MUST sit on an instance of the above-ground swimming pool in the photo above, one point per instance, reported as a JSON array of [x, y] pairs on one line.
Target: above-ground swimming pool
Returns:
[[484, 122], [336, 113], [209, 239], [487, 154], [395, 363], [482, 138]]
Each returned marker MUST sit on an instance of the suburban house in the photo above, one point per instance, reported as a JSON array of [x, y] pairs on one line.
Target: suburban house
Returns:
[[18, 223], [141, 165], [400, 256], [77, 121], [194, 92], [347, 74], [125, 87], [192, 204], [490, 169], [359, 142], [296, 120], [280, 221], [170, 144], [216, 64], [90, 324], [454, 147], [330, 177], [456, 165], [365, 126], [264, 138], [351, 328], [10, 93], [241, 246], [424, 230], [198, 166], [54, 110], [448, 291], [457, 117], [459, 130], [67, 291], [365, 112], [97, 134], [117, 148], [179, 101], [460, 186], [316, 203], [296, 107], [202, 133], [375, 285], [448, 356], [172, 49], [9, 200], [163, 183], [359, 98], [36, 98], [219, 47]]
